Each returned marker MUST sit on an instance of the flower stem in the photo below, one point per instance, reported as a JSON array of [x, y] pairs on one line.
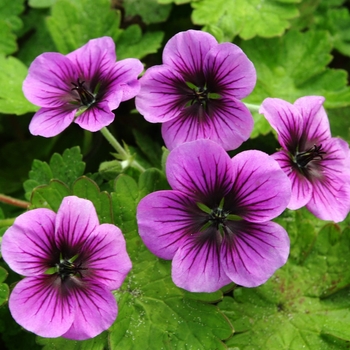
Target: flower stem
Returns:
[[14, 201], [252, 108], [124, 155], [7, 222]]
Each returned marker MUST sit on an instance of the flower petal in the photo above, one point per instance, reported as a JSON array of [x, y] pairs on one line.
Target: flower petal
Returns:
[[38, 305], [162, 96], [96, 309], [50, 122], [106, 257], [301, 186], [196, 267], [229, 72], [331, 183], [255, 196], [286, 119], [75, 221], [257, 251], [186, 51], [165, 219], [229, 124], [315, 120], [48, 83], [28, 246], [94, 58], [201, 169], [95, 117]]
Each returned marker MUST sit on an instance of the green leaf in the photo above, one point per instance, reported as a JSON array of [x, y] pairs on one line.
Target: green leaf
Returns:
[[132, 43], [88, 189], [247, 18], [12, 74], [149, 10], [9, 11], [306, 304], [74, 22], [152, 180], [8, 44], [177, 2], [294, 66], [339, 121], [4, 288], [41, 3], [152, 310]]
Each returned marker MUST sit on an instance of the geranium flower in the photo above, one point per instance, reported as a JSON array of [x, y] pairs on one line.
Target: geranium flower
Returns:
[[215, 222], [196, 92], [71, 264], [317, 164], [83, 86]]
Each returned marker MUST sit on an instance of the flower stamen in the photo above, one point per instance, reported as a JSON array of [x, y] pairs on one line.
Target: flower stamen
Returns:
[[302, 159], [87, 98]]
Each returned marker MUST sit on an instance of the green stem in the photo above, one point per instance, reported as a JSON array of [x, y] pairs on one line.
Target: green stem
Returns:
[[124, 155], [14, 201], [252, 108], [7, 222]]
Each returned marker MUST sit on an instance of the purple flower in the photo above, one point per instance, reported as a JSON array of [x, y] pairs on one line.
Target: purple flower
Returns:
[[215, 222], [196, 92], [71, 264], [317, 164], [83, 86]]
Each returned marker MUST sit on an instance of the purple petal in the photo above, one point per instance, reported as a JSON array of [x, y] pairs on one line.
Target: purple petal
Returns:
[[229, 124], [186, 51], [95, 117], [75, 221], [38, 305], [200, 169], [316, 124], [50, 122], [161, 97], [285, 119], [95, 57], [331, 183], [105, 254], [257, 251], [95, 311], [198, 268], [164, 221], [48, 83], [301, 186], [28, 245], [261, 189], [229, 71]]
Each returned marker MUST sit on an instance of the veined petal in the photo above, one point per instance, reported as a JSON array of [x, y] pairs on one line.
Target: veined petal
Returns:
[[38, 305], [186, 51], [229, 123], [95, 117], [229, 72], [256, 252], [301, 186], [28, 246], [201, 169], [48, 83], [75, 221], [162, 96], [331, 182], [286, 119], [96, 310], [315, 120], [106, 257], [255, 195], [48, 122], [197, 267], [165, 219], [94, 58]]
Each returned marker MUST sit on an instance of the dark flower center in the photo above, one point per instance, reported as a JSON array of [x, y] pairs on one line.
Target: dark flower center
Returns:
[[200, 95], [302, 159], [87, 98], [217, 218], [67, 268]]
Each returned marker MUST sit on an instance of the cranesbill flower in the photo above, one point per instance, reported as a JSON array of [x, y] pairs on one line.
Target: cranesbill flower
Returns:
[[215, 222], [317, 164], [83, 86], [71, 264], [196, 92]]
